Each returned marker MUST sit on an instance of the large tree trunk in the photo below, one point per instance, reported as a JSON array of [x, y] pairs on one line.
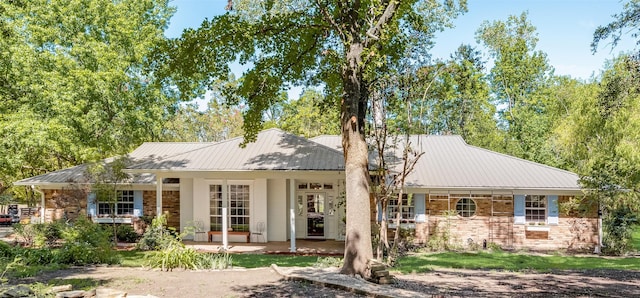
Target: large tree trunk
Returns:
[[358, 249]]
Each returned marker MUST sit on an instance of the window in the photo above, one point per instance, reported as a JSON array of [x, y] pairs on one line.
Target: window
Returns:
[[238, 207], [123, 206], [466, 207], [407, 212], [535, 209]]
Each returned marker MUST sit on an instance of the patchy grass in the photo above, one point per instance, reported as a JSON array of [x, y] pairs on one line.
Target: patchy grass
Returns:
[[511, 262], [137, 259], [265, 260]]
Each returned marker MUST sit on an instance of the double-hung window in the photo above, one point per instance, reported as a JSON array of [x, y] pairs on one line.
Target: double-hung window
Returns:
[[122, 206], [407, 210], [535, 209]]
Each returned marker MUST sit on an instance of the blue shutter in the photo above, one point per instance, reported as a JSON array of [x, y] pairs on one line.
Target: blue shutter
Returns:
[[137, 203], [518, 210], [420, 207], [91, 204], [552, 207], [379, 206]]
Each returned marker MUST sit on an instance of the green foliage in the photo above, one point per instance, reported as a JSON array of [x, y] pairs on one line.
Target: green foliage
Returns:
[[86, 243], [126, 233], [74, 85], [168, 250], [618, 225], [214, 261], [328, 262], [39, 235], [635, 238]]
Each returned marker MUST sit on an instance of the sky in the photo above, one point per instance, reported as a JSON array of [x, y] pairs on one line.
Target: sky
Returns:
[[565, 28]]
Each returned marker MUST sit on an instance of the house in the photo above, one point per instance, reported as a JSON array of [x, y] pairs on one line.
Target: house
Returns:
[[285, 187]]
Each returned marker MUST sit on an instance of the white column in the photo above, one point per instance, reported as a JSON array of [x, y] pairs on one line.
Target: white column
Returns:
[[225, 201], [292, 213], [158, 194]]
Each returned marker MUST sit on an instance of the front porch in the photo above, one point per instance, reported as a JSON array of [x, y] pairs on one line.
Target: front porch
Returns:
[[303, 247]]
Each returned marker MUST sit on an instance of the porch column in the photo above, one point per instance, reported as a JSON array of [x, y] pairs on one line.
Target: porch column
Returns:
[[225, 199], [292, 213], [158, 194]]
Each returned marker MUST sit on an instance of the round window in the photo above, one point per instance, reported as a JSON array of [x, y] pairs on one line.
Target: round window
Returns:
[[466, 207]]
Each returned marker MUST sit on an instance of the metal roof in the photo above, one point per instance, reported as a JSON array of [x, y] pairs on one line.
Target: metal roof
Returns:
[[274, 149], [449, 162], [78, 174]]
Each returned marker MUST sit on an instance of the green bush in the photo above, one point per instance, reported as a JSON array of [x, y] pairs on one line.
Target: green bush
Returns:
[[86, 243], [35, 256], [6, 250], [618, 229], [126, 233]]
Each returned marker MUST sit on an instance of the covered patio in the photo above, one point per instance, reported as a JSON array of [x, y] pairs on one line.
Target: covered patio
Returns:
[[303, 247]]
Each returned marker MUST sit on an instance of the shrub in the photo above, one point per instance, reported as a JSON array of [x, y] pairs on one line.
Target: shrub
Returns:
[[86, 243], [6, 250], [328, 262], [618, 228], [126, 233]]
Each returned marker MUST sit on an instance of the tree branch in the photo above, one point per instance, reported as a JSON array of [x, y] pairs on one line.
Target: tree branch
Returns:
[[373, 34], [330, 20]]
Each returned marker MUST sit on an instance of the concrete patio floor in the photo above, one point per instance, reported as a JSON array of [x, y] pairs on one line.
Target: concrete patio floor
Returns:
[[303, 246]]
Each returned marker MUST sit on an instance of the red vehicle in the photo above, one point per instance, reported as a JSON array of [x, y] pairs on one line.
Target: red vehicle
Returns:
[[6, 219]]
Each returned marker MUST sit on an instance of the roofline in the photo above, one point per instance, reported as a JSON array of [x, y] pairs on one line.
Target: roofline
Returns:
[[153, 171]]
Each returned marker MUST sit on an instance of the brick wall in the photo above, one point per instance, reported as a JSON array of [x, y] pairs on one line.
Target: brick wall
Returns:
[[170, 205], [572, 232], [64, 202]]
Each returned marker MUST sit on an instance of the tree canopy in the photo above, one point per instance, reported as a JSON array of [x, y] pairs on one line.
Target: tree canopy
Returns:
[[73, 86]]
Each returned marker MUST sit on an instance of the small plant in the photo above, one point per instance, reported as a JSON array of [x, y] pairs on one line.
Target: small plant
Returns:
[[327, 262], [214, 261], [169, 252], [126, 233]]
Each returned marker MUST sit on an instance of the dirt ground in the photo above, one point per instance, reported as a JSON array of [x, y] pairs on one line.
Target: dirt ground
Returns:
[[265, 282]]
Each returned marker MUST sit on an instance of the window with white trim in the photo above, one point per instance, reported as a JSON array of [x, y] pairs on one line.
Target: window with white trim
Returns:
[[123, 205], [407, 211], [535, 208], [238, 207]]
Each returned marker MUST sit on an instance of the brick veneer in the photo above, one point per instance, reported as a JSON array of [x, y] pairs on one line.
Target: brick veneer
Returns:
[[170, 205], [571, 232]]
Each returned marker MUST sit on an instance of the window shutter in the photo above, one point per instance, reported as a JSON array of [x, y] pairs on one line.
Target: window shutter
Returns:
[[91, 204], [552, 202], [518, 210], [137, 203], [420, 207], [379, 207]]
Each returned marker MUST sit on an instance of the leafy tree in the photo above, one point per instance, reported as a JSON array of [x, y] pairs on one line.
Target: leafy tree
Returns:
[[72, 84], [519, 80], [629, 18], [107, 179], [307, 116], [336, 44]]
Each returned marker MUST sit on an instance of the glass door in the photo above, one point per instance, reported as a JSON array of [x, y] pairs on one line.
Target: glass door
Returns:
[[315, 214]]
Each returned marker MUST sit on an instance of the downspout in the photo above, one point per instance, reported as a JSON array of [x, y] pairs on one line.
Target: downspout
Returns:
[[42, 206]]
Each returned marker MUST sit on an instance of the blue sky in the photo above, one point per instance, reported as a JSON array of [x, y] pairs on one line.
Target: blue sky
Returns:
[[565, 28]]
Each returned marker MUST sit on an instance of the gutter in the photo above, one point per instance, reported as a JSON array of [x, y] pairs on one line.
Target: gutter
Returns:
[[42, 208]]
